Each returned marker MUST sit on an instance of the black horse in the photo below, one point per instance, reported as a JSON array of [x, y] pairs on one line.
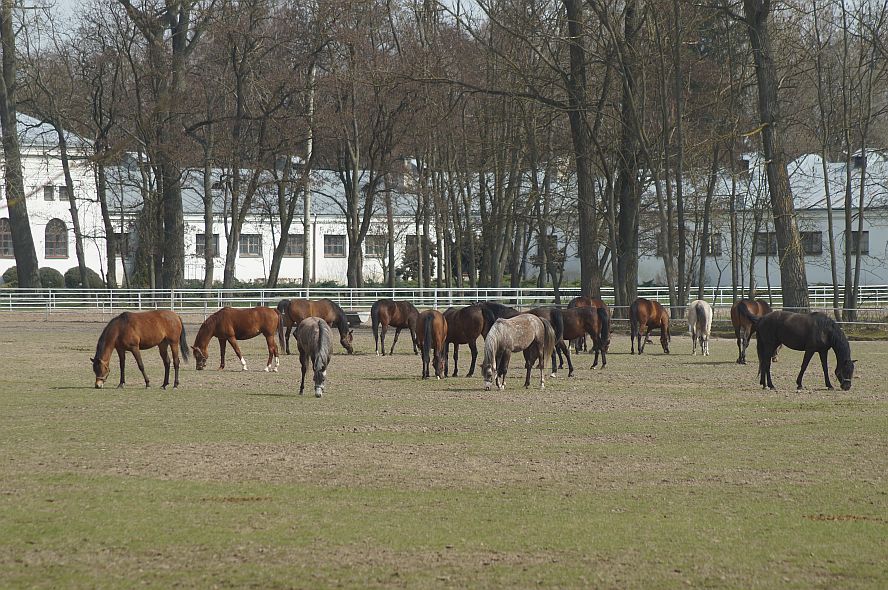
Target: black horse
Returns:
[[810, 332]]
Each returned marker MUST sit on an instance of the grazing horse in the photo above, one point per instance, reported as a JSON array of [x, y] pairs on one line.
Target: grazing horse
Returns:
[[810, 332], [554, 316], [431, 332], [231, 324], [313, 341], [293, 311], [580, 321], [399, 315], [464, 325], [580, 343], [700, 324], [525, 332], [742, 313], [644, 316], [135, 332]]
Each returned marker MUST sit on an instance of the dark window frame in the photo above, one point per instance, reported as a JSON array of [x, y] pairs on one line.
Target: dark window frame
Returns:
[[244, 244], [331, 249], [54, 246]]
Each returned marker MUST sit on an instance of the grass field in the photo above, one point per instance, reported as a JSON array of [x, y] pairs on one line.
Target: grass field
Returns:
[[660, 471]]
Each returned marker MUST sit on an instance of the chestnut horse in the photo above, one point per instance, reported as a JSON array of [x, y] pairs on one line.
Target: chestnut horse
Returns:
[[595, 303], [644, 316], [137, 331], [464, 325], [231, 324], [293, 311], [525, 333], [397, 314], [431, 331], [742, 313], [580, 321]]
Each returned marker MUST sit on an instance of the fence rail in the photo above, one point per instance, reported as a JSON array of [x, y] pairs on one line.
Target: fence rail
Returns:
[[872, 299]]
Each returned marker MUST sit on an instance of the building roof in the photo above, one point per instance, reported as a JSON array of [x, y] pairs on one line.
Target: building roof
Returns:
[[34, 133]]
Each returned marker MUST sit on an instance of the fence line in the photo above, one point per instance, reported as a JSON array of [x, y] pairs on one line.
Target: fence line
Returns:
[[872, 299]]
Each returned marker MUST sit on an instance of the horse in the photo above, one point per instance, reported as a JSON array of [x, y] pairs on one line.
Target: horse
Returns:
[[498, 310], [464, 325], [595, 322], [554, 316], [399, 315], [525, 332], [137, 331], [431, 332], [645, 315], [810, 332], [742, 313], [313, 342], [231, 324], [700, 324], [596, 303], [293, 311]]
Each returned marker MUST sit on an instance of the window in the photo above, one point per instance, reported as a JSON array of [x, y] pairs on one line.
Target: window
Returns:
[[376, 246], [812, 243], [765, 243], [6, 239], [714, 247], [200, 244], [250, 245], [49, 193], [63, 193], [295, 246], [123, 244], [334, 246], [56, 239], [410, 243], [860, 240]]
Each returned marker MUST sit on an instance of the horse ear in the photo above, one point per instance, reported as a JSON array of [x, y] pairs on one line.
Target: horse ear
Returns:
[[92, 359]]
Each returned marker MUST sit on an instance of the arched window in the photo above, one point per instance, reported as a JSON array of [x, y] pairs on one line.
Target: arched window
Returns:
[[56, 239], [5, 239]]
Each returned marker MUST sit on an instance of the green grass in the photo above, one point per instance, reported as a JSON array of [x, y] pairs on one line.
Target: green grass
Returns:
[[659, 471]]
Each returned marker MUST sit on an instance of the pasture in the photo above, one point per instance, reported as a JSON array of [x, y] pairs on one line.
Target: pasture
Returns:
[[659, 471]]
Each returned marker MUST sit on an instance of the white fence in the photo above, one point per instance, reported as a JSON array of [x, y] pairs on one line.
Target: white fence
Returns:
[[873, 300]]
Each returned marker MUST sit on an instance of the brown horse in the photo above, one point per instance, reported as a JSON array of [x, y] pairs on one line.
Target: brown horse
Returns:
[[231, 324], [293, 311], [397, 314], [135, 332], [595, 303], [580, 321], [464, 325], [742, 314], [554, 316], [431, 331], [644, 316]]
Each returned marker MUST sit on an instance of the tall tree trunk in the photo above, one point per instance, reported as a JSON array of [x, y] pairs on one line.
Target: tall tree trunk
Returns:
[[72, 203], [111, 245], [683, 270], [308, 249], [794, 282], [705, 242]]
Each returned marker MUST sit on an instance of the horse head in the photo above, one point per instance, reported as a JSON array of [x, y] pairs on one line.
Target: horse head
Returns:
[[200, 358], [844, 373], [347, 340], [487, 373], [101, 369]]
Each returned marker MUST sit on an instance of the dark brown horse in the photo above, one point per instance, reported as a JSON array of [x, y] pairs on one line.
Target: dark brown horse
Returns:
[[293, 311], [397, 314], [644, 316], [554, 316], [497, 311], [464, 326], [810, 332], [135, 332], [231, 324], [594, 303], [431, 331], [742, 314], [594, 322]]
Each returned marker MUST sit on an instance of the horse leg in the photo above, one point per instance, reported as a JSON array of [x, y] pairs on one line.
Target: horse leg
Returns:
[[456, 358], [222, 343], [233, 342], [446, 355], [808, 355], [165, 357], [528, 367], [383, 328], [175, 348], [825, 365], [272, 353], [121, 355], [765, 373], [303, 362], [566, 350], [739, 337], [395, 340], [287, 337], [694, 340], [473, 347], [413, 338], [137, 354]]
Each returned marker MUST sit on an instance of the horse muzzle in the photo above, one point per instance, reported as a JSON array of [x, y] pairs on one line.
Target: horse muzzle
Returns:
[[100, 383], [846, 384]]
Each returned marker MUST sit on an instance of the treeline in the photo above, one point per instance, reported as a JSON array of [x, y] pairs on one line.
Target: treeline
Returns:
[[522, 129]]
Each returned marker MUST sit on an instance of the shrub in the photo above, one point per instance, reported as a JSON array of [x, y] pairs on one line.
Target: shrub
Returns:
[[10, 277], [72, 279], [51, 278]]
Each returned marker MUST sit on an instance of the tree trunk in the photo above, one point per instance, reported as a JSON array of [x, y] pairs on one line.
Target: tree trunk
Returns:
[[72, 203], [308, 246], [707, 209], [111, 245]]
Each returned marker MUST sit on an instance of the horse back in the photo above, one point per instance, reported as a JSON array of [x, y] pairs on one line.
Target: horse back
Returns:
[[148, 329], [464, 324]]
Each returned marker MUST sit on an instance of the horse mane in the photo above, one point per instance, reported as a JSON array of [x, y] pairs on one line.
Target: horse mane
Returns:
[[341, 320], [490, 345], [836, 337], [100, 345], [488, 315], [207, 328]]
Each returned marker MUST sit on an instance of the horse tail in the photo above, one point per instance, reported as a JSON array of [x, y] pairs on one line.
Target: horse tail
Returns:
[[548, 342], [751, 317], [374, 319], [281, 340], [183, 341], [604, 323], [557, 324], [707, 314], [633, 319], [489, 317], [322, 352], [427, 339]]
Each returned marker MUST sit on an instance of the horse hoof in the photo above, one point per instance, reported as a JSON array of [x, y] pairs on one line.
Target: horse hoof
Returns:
[[266, 369], [119, 386], [163, 387], [831, 388], [438, 377]]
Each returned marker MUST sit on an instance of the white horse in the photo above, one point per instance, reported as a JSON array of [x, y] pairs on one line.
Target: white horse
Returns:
[[700, 324]]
